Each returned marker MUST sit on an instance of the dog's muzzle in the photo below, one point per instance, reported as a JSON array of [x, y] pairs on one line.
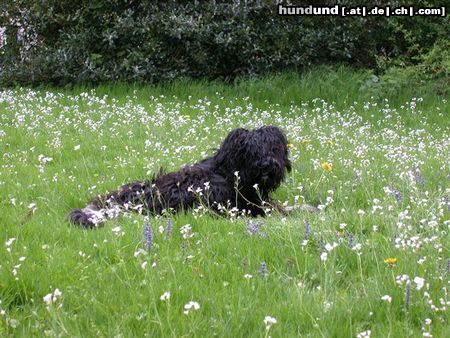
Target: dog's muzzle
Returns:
[[268, 169]]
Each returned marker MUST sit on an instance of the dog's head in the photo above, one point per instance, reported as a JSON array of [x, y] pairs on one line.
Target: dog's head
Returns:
[[260, 156]]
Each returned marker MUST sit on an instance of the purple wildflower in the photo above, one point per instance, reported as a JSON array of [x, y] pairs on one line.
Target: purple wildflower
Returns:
[[147, 236], [322, 243], [264, 270], [350, 240], [397, 195], [253, 227], [418, 178], [407, 296], [169, 227], [307, 229]]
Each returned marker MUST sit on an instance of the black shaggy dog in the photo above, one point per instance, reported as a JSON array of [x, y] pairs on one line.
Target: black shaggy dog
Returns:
[[241, 174]]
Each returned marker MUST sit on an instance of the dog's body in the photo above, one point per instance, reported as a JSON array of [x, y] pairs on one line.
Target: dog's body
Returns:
[[241, 174]]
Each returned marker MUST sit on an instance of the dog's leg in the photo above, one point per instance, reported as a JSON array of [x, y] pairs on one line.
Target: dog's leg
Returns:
[[89, 217], [130, 197]]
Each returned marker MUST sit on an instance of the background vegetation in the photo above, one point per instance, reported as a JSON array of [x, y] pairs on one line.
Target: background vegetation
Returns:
[[65, 42]]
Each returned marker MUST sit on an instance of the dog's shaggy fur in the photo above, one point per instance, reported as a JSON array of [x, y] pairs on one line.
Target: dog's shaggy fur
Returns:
[[241, 174]]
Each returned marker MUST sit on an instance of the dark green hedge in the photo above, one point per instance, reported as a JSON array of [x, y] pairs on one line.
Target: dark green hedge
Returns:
[[92, 41]]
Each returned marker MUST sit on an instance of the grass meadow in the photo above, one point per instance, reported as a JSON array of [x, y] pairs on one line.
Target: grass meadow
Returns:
[[374, 262]]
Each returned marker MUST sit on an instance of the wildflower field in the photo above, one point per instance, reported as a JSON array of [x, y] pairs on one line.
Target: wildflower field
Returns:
[[375, 261]]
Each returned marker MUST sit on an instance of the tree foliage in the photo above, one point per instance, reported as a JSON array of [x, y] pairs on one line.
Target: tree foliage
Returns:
[[92, 41]]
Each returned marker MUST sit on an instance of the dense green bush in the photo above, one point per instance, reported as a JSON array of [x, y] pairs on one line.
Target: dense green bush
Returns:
[[432, 69], [91, 41]]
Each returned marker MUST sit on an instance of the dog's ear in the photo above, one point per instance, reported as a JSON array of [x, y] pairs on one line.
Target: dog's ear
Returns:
[[236, 136], [231, 150]]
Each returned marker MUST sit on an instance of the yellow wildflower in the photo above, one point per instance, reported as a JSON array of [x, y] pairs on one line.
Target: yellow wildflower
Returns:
[[327, 166], [305, 141], [290, 145], [390, 260], [330, 142]]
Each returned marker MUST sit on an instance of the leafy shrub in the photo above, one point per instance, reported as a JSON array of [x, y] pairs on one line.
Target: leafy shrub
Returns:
[[433, 67], [91, 41]]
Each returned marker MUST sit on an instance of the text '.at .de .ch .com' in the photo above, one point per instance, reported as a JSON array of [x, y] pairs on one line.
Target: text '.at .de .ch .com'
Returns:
[[341, 10]]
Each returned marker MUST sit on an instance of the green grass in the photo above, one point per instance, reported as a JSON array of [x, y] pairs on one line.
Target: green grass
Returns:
[[389, 152]]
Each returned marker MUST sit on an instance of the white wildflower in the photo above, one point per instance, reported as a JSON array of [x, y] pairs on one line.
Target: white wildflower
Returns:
[[186, 231], [364, 334], [191, 306], [165, 296], [386, 298], [330, 247], [269, 321], [118, 231], [51, 298], [419, 282]]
